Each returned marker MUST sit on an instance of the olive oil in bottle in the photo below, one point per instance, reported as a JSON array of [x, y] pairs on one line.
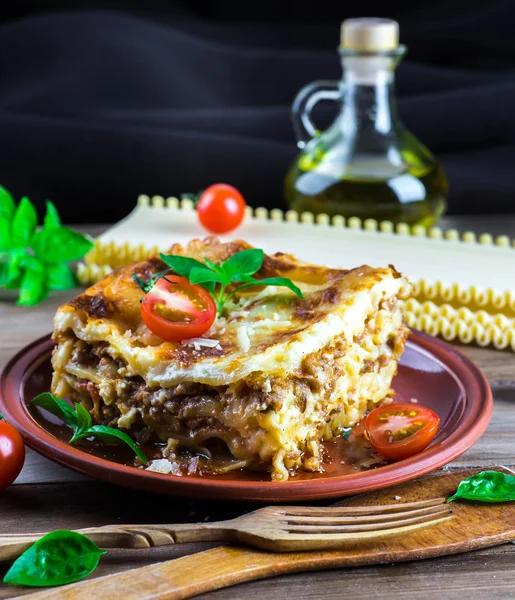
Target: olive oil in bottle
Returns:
[[367, 164]]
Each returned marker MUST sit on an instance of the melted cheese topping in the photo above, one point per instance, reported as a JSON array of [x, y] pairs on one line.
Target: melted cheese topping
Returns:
[[280, 328]]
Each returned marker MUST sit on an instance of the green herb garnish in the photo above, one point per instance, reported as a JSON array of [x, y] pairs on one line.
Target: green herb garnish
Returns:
[[487, 486], [146, 287], [57, 558], [34, 260], [79, 420], [219, 280], [346, 433]]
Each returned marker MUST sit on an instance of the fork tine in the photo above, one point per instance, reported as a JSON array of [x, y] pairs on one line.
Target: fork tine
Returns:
[[343, 511], [329, 519], [365, 527]]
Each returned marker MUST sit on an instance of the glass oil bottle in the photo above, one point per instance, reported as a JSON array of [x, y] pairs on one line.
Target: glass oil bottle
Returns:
[[367, 164]]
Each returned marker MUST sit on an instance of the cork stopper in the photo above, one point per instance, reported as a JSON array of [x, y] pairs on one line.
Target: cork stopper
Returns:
[[370, 34]]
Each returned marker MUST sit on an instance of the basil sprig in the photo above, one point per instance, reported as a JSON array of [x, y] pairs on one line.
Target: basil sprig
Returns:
[[57, 558], [146, 287], [487, 486], [238, 269], [34, 260], [79, 420]]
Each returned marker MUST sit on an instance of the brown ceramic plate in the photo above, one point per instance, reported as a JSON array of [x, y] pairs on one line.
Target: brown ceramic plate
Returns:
[[433, 372]]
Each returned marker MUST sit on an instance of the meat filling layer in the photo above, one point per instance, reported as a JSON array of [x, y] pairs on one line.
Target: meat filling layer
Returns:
[[273, 423]]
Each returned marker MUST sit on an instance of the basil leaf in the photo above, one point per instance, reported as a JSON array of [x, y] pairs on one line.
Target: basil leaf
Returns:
[[4, 268], [249, 279], [209, 286], [52, 219], [182, 265], [33, 288], [60, 244], [52, 245], [57, 558], [13, 284], [246, 262], [83, 423], [487, 486], [24, 223], [281, 281], [205, 276], [57, 407], [216, 268], [7, 208], [5, 234], [7, 205], [114, 436], [17, 260], [80, 421], [60, 277]]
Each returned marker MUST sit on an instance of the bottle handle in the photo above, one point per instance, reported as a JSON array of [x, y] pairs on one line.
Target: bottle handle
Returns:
[[304, 103]]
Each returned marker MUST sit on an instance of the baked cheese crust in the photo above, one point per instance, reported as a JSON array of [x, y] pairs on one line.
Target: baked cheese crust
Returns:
[[271, 379]]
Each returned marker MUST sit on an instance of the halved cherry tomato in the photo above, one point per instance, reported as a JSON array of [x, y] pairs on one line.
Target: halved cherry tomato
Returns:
[[397, 430], [12, 454], [176, 310], [221, 208]]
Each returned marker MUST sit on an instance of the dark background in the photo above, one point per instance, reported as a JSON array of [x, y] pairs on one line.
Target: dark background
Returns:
[[103, 101]]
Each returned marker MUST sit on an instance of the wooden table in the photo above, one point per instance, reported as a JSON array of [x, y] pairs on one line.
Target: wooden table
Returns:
[[47, 496]]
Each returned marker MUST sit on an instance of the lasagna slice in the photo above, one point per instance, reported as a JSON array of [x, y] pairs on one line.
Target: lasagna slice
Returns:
[[272, 379]]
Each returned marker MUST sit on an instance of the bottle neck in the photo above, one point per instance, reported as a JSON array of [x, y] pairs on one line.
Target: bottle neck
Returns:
[[368, 96]]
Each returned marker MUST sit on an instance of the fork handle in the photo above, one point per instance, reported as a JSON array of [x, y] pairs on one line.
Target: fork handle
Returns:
[[125, 536]]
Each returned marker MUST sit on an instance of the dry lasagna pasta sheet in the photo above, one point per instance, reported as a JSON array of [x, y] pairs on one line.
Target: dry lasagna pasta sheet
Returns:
[[464, 288]]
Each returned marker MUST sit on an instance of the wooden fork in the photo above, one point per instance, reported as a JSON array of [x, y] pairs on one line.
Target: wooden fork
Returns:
[[276, 528]]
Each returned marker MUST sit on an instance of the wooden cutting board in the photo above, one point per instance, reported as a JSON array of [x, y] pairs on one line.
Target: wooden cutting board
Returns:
[[474, 525]]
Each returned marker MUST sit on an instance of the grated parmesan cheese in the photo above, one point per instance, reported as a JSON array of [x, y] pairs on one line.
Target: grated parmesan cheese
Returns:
[[243, 338], [240, 313], [160, 465], [199, 343]]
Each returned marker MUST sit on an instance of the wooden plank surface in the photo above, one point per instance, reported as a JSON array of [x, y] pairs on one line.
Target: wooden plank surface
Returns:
[[47, 496]]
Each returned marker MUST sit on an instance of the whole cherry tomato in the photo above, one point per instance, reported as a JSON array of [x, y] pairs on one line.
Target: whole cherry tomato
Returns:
[[176, 310], [12, 454], [398, 431], [221, 208]]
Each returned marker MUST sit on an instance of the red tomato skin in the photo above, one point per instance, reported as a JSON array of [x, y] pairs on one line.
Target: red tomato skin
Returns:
[[12, 454], [415, 443], [177, 331], [221, 208]]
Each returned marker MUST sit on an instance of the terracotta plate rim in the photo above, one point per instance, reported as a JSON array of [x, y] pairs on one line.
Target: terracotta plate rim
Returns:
[[473, 422]]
